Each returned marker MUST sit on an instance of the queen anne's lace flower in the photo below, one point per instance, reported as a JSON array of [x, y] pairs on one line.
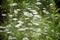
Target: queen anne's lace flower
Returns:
[[25, 38], [34, 11], [14, 19], [13, 4], [15, 11], [28, 14], [38, 3], [3, 14]]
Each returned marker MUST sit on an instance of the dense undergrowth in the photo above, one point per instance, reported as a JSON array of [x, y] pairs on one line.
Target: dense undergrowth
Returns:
[[31, 20]]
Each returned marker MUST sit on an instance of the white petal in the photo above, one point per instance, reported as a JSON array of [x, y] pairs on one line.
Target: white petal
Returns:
[[14, 19], [13, 4], [38, 3]]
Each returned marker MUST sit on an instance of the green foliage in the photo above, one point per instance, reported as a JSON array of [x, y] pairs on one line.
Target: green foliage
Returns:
[[32, 19]]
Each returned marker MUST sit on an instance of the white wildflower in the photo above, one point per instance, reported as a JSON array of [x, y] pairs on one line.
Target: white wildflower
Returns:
[[11, 15], [44, 8], [8, 26], [2, 27], [38, 30], [6, 30], [27, 3], [18, 25], [14, 37], [52, 30], [21, 29], [13, 4], [31, 28], [51, 4], [28, 14], [3, 14], [29, 23], [9, 32], [47, 36], [29, 8], [44, 11], [25, 38], [14, 19], [25, 13], [34, 11], [45, 27], [10, 38], [37, 16], [20, 22], [26, 18], [16, 11], [36, 24], [38, 3], [26, 28]]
